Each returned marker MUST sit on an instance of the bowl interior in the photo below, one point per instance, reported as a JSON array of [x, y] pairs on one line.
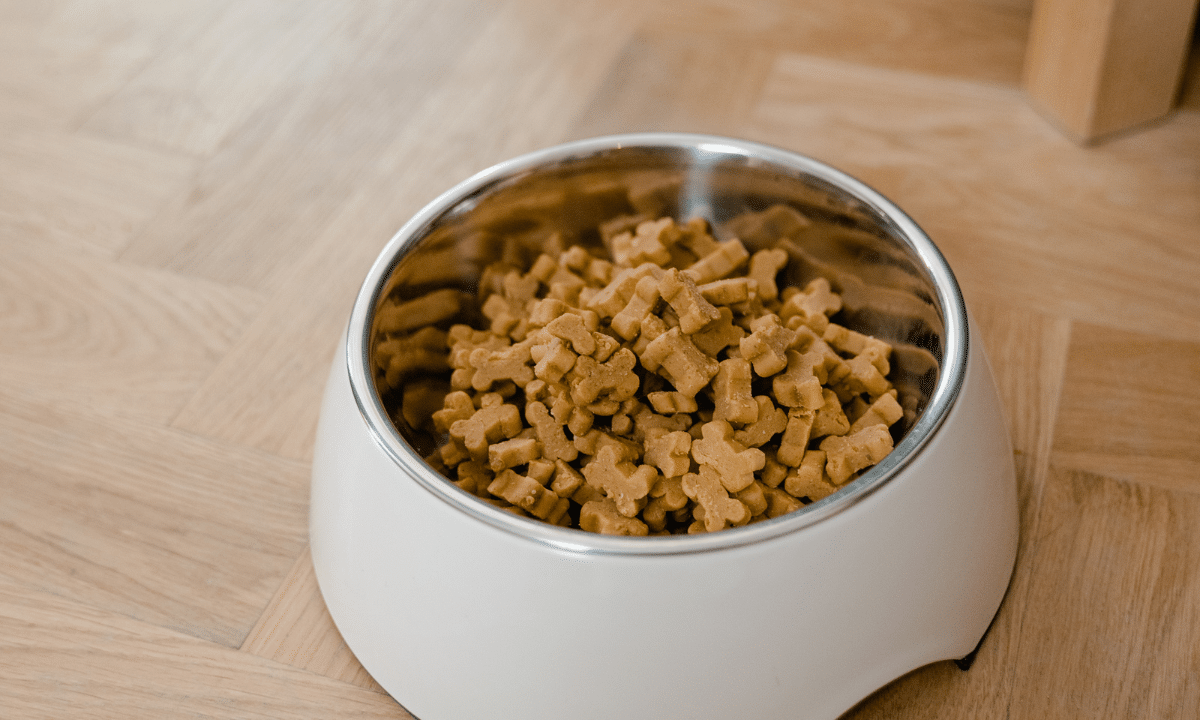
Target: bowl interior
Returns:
[[893, 282]]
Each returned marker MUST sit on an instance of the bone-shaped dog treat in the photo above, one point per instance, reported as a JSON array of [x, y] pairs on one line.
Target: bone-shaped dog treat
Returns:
[[865, 377], [552, 359], [729, 291], [628, 321], [614, 378], [697, 239], [574, 328], [555, 444], [650, 242], [799, 386], [626, 484], [669, 403], [602, 516], [884, 411], [646, 422], [453, 453], [519, 290], [770, 422], [766, 347], [614, 296], [495, 420], [513, 452], [854, 343], [728, 256], [652, 327], [562, 282], [810, 479], [599, 272], [689, 369], [511, 363], [830, 418], [734, 462], [529, 495], [854, 452], [595, 440], [753, 497], [580, 420], [795, 437], [779, 502], [575, 258], [540, 469], [707, 489], [812, 307], [764, 266], [774, 472], [666, 497], [682, 295], [474, 477], [544, 311], [719, 334], [606, 345], [732, 397], [566, 479], [456, 406], [670, 452]]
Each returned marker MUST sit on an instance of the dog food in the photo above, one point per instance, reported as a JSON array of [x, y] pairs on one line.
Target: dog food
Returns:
[[674, 385]]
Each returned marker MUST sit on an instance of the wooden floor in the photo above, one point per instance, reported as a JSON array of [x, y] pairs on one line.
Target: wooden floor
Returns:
[[191, 192]]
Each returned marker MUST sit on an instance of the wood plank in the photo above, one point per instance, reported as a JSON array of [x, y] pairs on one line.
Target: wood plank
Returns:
[[1028, 354], [1113, 627], [62, 59], [1092, 234], [281, 175], [296, 629], [1131, 408], [147, 522], [89, 333], [245, 53], [678, 82], [80, 194], [970, 40], [1102, 67], [64, 659], [266, 392]]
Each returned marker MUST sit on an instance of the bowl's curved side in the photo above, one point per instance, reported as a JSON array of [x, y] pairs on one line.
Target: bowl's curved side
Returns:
[[457, 618]]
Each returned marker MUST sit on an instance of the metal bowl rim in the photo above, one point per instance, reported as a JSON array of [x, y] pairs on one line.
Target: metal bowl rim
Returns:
[[388, 438]]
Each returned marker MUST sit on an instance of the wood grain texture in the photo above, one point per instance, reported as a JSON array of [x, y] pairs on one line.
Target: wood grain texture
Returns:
[[249, 48], [191, 193], [79, 194], [980, 41], [64, 659], [1113, 605], [95, 334], [1131, 407], [296, 630], [137, 519], [307, 143], [63, 59]]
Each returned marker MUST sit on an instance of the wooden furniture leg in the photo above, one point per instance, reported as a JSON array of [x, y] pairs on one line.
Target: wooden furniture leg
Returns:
[[1097, 67]]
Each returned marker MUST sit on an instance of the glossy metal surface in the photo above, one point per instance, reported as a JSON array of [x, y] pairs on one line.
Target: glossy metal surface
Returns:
[[896, 284]]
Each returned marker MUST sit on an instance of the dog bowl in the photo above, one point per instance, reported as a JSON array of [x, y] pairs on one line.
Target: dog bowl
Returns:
[[462, 610]]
